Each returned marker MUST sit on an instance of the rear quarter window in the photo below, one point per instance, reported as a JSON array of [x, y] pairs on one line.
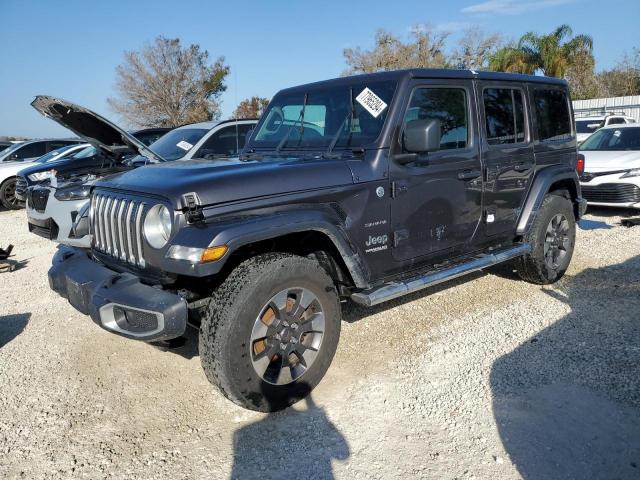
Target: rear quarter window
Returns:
[[552, 115]]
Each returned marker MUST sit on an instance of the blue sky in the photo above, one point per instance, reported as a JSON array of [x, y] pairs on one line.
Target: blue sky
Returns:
[[70, 48]]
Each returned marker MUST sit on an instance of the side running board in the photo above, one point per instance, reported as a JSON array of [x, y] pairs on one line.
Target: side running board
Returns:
[[392, 290]]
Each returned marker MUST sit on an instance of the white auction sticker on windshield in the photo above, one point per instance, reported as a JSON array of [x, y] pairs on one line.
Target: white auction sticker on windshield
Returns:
[[184, 145], [371, 102]]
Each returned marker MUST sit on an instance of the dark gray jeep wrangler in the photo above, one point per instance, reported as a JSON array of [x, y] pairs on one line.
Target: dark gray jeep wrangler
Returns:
[[362, 188]]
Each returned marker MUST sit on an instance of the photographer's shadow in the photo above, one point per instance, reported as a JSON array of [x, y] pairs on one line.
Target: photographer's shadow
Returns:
[[567, 401], [289, 444]]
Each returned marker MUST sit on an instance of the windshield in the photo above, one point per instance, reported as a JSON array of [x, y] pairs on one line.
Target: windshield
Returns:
[[85, 153], [12, 148], [588, 126], [177, 143], [53, 154], [612, 139], [338, 116]]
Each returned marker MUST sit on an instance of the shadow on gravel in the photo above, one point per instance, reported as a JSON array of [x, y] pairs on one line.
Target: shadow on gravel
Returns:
[[288, 444], [11, 326], [567, 402], [593, 225]]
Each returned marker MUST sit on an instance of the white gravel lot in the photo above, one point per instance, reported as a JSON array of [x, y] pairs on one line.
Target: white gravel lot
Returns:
[[485, 377]]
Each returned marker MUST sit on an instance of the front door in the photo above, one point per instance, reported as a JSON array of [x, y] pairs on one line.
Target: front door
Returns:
[[437, 199], [508, 154]]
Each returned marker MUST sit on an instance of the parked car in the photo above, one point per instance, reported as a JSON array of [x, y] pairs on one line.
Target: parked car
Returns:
[[53, 205], [90, 160], [202, 140], [364, 188], [10, 170], [585, 126], [4, 145], [612, 167], [31, 150], [150, 135]]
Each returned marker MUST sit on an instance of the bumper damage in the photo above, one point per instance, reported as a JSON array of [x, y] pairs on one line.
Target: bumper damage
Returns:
[[117, 302]]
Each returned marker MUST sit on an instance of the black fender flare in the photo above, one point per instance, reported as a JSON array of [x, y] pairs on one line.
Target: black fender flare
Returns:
[[251, 228], [541, 185]]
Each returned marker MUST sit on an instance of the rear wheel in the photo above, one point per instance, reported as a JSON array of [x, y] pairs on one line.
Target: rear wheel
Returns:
[[552, 238], [271, 331], [8, 195]]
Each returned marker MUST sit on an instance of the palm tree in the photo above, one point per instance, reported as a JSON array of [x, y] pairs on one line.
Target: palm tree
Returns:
[[511, 59], [552, 54]]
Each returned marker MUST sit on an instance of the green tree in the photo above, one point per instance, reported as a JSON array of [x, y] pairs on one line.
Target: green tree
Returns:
[[552, 54], [166, 84], [424, 49], [252, 107]]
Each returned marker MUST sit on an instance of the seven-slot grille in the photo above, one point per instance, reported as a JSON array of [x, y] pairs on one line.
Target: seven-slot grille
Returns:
[[116, 223]]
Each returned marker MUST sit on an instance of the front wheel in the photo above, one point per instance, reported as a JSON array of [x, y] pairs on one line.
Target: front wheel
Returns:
[[8, 197], [552, 238], [271, 331]]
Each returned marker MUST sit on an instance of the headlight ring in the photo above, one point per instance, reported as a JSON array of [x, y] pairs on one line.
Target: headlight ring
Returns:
[[157, 226]]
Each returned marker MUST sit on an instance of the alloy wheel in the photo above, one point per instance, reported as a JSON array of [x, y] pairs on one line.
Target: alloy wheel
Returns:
[[287, 336]]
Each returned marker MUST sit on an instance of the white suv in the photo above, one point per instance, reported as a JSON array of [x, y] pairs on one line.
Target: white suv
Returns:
[[585, 126], [611, 175]]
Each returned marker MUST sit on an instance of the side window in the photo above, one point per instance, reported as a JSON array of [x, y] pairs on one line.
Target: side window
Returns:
[[223, 142], [32, 150], [552, 114], [449, 106], [56, 145], [615, 121], [504, 115]]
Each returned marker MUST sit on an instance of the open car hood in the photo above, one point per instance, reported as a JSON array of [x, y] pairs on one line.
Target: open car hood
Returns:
[[90, 126]]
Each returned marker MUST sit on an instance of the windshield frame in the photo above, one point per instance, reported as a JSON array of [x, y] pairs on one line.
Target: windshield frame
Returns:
[[342, 86]]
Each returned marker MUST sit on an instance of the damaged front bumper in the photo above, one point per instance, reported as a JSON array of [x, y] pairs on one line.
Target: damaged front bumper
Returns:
[[117, 302]]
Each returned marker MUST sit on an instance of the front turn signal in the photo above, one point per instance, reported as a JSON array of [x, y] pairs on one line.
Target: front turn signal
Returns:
[[212, 254]]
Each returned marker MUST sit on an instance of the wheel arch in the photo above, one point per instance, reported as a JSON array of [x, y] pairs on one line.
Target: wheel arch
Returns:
[[560, 178], [316, 232]]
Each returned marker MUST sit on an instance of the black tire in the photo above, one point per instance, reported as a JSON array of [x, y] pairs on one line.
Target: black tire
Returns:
[[226, 345], [542, 266], [8, 195]]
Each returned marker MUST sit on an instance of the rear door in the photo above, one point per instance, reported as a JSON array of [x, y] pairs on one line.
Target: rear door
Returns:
[[507, 152], [437, 199]]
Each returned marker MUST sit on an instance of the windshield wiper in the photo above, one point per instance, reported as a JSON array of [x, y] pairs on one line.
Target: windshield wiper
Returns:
[[350, 116], [300, 119]]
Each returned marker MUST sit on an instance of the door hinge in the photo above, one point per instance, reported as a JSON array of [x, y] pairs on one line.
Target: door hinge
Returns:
[[397, 188]]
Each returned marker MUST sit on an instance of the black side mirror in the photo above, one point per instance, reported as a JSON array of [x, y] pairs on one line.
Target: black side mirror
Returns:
[[422, 136]]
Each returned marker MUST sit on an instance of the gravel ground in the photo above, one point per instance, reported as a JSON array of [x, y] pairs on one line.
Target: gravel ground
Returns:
[[485, 377]]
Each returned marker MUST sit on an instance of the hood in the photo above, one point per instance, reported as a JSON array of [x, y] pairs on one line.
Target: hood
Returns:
[[228, 180], [606, 161], [91, 127]]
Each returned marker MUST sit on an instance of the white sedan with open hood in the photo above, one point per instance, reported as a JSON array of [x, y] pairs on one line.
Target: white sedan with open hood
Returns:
[[612, 167]]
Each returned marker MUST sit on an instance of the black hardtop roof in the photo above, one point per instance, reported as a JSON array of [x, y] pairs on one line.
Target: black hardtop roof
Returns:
[[443, 73]]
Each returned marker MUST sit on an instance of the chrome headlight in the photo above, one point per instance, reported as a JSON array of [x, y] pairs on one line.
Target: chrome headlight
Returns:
[[632, 173], [157, 226], [75, 192], [39, 176]]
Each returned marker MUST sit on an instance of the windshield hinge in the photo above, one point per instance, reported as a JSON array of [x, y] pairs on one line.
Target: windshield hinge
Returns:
[[192, 209]]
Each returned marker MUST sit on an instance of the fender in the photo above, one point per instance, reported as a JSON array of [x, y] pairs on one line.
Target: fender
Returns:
[[542, 182], [256, 226]]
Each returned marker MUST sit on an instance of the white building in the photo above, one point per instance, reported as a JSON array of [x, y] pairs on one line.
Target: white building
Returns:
[[629, 106]]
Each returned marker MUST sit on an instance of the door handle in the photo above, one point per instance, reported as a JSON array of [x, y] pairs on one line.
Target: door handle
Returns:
[[469, 175], [522, 167]]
